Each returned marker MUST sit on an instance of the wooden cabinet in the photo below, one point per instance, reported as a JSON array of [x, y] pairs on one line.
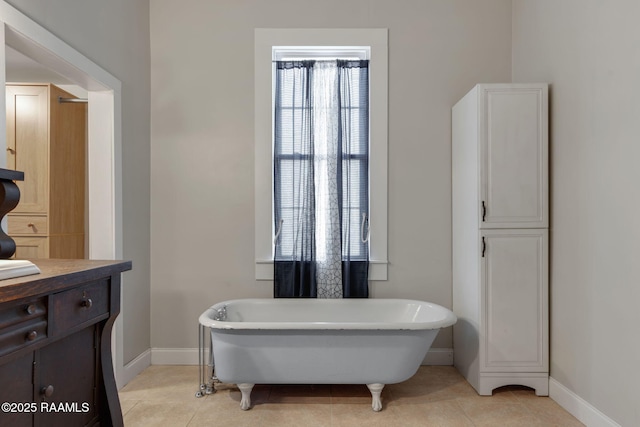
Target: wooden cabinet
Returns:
[[55, 343], [46, 139], [77, 383], [500, 236]]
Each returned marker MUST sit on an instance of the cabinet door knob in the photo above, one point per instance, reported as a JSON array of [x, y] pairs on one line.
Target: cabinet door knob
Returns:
[[86, 303], [31, 308], [47, 391], [32, 335], [11, 150]]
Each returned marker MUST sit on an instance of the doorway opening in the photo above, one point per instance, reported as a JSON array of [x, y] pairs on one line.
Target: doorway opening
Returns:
[[23, 36]]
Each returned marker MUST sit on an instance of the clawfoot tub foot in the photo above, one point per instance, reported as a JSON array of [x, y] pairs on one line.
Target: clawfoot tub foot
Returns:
[[376, 389], [245, 401]]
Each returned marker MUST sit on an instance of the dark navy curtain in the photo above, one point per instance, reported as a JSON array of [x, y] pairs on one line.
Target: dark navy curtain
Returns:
[[321, 199]]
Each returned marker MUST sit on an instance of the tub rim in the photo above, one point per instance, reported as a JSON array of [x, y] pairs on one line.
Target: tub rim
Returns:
[[447, 319]]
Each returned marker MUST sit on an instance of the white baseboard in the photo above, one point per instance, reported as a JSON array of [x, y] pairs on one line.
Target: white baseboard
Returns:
[[189, 356], [174, 356], [133, 368], [578, 407]]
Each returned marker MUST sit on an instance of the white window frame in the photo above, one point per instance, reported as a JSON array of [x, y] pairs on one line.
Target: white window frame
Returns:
[[376, 40]]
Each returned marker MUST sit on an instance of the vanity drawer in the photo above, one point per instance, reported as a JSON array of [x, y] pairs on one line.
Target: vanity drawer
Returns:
[[76, 306], [28, 224], [22, 324]]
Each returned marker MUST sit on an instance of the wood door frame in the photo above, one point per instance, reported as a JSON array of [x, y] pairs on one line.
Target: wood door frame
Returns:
[[104, 135]]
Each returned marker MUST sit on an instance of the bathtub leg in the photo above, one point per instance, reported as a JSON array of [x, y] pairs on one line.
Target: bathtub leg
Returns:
[[245, 389], [375, 390]]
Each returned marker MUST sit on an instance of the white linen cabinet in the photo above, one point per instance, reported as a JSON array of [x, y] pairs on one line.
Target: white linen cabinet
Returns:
[[500, 236]]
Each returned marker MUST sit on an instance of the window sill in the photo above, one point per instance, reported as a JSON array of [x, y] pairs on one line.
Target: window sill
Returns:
[[377, 270]]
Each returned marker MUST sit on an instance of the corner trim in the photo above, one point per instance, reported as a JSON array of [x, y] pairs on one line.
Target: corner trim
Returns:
[[578, 407]]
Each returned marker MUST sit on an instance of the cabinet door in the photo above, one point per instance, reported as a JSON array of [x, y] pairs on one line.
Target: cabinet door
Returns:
[[28, 144], [513, 156], [16, 386], [69, 369], [514, 294]]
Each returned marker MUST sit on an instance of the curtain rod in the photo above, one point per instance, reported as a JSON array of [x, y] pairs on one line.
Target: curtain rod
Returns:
[[78, 100]]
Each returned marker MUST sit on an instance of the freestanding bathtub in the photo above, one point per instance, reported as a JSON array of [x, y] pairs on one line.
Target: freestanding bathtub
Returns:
[[321, 341]]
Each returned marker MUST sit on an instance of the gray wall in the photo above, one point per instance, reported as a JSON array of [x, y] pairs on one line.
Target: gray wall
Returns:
[[202, 166], [115, 35], [590, 53]]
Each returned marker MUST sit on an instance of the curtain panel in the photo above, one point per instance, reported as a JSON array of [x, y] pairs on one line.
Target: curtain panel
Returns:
[[321, 200]]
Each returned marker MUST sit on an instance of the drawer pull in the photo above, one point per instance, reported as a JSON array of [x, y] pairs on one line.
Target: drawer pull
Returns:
[[31, 309], [47, 391], [32, 335], [86, 303]]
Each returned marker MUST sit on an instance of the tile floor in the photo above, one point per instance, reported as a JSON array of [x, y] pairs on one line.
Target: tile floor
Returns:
[[434, 396]]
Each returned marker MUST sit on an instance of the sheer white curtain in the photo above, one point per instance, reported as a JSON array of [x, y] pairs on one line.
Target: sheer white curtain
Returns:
[[328, 236]]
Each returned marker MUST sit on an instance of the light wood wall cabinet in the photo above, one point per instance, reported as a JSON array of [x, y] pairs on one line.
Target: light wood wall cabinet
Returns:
[[500, 236], [47, 140]]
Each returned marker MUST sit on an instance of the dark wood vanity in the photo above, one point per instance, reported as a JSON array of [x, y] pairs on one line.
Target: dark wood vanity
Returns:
[[55, 344]]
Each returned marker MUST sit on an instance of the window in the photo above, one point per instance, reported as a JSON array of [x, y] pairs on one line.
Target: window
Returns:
[[316, 90], [365, 159]]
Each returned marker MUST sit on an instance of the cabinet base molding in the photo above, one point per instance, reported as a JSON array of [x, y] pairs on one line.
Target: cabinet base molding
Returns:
[[488, 382]]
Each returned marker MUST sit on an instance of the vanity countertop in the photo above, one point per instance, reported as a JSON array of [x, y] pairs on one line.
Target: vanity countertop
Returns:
[[58, 274]]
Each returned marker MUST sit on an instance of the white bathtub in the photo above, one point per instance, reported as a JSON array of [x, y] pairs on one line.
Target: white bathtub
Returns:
[[319, 341]]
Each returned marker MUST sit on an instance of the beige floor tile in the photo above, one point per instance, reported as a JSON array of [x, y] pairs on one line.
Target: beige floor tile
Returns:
[[126, 405], [221, 409], [429, 388], [267, 415], [487, 411], [163, 383], [361, 414], [433, 414], [155, 414], [296, 414]]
